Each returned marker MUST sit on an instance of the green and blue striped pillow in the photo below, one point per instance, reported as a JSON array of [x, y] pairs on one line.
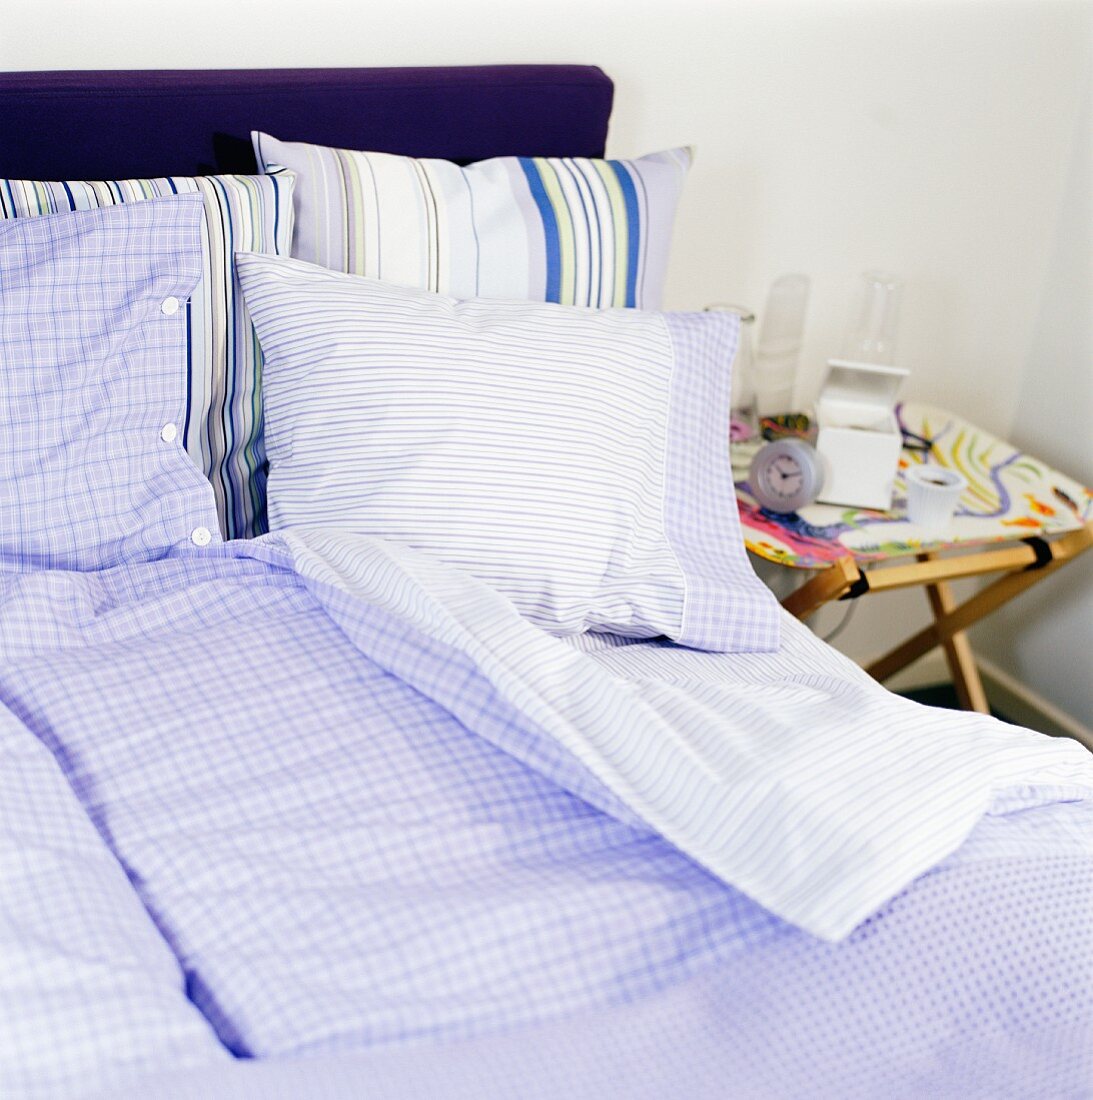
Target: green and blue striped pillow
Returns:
[[222, 430], [557, 229]]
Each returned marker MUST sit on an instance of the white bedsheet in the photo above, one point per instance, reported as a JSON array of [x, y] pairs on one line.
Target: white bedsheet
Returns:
[[793, 776]]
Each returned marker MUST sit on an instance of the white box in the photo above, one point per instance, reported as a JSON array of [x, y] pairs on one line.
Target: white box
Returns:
[[859, 436]]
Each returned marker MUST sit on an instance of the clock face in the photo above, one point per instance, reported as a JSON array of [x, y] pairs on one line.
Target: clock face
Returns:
[[786, 475], [785, 478]]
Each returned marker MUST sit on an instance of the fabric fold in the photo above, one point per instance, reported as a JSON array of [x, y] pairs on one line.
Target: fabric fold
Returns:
[[818, 798]]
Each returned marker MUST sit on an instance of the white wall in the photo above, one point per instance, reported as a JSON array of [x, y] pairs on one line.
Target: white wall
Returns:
[[1047, 640], [930, 138]]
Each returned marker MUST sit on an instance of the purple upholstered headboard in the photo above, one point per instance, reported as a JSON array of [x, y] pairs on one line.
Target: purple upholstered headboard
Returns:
[[120, 125]]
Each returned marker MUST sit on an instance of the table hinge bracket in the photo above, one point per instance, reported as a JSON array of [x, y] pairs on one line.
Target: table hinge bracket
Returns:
[[1042, 549], [858, 588]]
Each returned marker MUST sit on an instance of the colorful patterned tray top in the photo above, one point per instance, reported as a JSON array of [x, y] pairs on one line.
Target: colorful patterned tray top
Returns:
[[1010, 495]]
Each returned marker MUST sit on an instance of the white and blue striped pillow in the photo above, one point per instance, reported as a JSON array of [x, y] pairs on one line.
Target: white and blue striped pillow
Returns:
[[221, 427], [574, 459], [574, 230]]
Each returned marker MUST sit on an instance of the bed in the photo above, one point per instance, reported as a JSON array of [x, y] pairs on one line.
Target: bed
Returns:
[[314, 813]]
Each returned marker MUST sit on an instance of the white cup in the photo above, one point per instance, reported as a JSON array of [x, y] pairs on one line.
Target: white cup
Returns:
[[932, 496]]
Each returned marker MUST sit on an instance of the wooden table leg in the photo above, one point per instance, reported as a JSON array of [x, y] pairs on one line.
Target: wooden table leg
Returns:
[[1020, 567], [827, 585], [952, 622], [958, 651]]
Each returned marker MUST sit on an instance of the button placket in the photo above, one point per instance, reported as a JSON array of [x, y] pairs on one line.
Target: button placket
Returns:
[[199, 536]]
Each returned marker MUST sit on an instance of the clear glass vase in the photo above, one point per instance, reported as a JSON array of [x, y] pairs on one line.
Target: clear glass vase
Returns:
[[779, 350], [871, 334]]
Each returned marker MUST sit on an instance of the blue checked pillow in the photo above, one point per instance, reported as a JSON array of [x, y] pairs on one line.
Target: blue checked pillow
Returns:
[[93, 316], [221, 425]]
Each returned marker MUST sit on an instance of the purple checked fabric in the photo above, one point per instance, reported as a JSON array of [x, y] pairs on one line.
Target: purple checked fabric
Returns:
[[316, 794], [93, 315], [90, 992], [724, 600], [353, 842]]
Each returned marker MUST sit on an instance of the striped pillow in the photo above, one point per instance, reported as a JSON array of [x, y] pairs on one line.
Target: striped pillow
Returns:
[[554, 229], [222, 426], [576, 460]]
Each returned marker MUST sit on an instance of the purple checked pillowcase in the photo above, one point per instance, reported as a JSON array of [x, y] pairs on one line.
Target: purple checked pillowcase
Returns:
[[93, 316]]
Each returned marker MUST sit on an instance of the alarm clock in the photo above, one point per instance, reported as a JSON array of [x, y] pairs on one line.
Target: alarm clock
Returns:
[[786, 475]]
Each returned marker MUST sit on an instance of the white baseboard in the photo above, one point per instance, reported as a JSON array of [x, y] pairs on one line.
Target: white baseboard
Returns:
[[1020, 704], [1016, 700]]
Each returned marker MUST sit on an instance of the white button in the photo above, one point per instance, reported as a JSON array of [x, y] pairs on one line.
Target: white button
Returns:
[[200, 536], [169, 306], [169, 433]]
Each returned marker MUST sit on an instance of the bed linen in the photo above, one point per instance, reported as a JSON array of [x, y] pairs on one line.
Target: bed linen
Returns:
[[573, 230], [972, 985], [575, 460], [80, 958], [93, 327], [220, 423], [420, 820]]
